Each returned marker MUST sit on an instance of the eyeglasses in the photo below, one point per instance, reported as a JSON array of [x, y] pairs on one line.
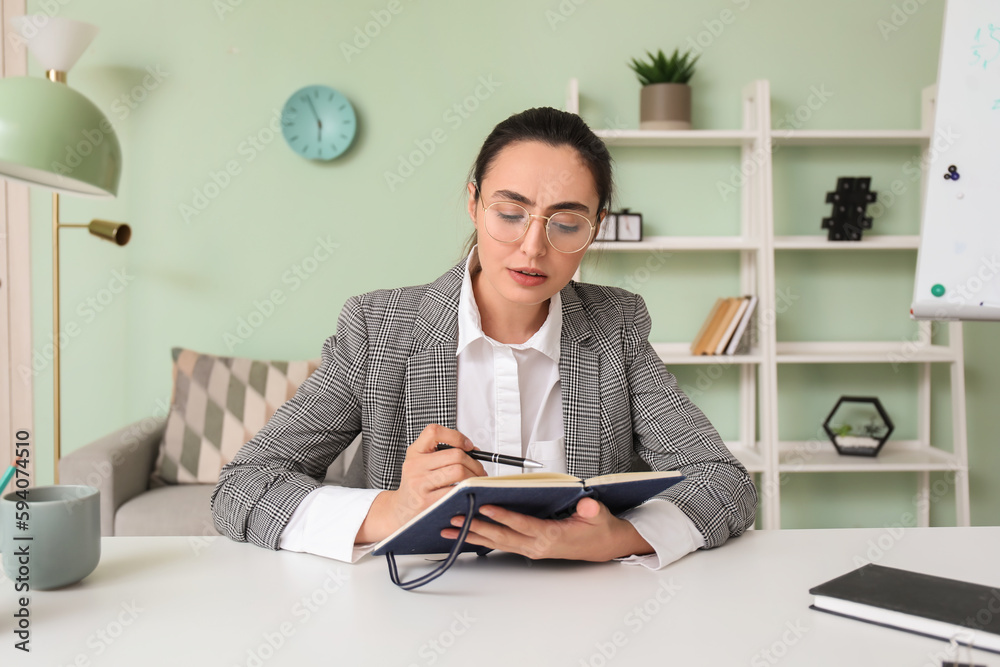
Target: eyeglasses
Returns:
[[507, 222]]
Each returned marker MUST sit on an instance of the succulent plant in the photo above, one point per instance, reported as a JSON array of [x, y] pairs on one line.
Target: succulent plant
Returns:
[[660, 69]]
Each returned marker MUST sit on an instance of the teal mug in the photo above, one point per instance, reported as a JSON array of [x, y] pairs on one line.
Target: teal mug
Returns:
[[50, 537]]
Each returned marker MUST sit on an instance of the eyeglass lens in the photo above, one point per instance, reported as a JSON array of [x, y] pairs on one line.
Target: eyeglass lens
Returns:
[[567, 232]]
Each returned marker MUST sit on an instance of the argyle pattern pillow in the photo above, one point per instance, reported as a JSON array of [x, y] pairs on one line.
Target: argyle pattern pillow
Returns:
[[218, 404]]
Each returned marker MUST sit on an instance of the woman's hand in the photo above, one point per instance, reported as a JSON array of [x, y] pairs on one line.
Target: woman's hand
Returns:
[[426, 476], [592, 534]]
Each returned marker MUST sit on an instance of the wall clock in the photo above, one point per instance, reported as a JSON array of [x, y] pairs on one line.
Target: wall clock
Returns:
[[318, 123]]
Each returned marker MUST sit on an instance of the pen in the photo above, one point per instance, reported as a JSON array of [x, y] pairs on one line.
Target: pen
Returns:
[[502, 459], [6, 478]]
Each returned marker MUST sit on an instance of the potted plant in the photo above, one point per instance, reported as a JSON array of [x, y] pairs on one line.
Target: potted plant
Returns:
[[858, 426], [665, 99]]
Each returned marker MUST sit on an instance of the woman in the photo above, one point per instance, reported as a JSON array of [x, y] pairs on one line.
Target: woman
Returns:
[[505, 353]]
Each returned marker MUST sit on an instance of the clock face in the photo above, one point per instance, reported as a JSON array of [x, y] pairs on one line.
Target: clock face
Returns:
[[318, 123], [629, 227]]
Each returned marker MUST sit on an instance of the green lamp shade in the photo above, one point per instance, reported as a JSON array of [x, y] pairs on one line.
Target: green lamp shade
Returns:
[[52, 136]]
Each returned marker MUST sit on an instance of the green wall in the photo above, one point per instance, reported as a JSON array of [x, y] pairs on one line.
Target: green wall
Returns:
[[192, 88]]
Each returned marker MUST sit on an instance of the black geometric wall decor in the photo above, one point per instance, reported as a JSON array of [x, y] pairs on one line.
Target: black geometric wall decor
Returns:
[[850, 202], [858, 425]]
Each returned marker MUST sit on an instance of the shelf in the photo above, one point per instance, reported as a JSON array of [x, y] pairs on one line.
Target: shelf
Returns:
[[902, 455], [750, 458], [702, 243], [756, 247], [817, 242], [850, 137], [679, 354], [874, 352], [693, 138]]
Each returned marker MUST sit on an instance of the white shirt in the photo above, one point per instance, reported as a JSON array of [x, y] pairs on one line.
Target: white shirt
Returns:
[[509, 401], [509, 398]]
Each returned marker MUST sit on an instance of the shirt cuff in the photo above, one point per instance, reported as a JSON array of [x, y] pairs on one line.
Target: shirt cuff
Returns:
[[327, 521], [667, 529]]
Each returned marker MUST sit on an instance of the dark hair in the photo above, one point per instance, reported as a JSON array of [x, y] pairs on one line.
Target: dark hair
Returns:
[[555, 128]]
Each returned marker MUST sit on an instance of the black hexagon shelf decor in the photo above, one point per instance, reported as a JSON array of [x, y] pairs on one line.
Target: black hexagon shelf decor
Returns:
[[858, 426]]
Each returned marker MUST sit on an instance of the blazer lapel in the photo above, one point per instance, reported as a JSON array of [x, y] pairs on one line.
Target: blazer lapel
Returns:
[[431, 383], [579, 369]]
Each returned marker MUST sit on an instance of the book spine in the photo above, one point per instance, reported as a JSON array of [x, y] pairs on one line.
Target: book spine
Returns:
[[741, 340], [699, 340], [733, 323], [719, 327]]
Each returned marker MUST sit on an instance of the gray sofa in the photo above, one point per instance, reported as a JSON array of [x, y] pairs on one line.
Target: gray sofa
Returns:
[[120, 466]]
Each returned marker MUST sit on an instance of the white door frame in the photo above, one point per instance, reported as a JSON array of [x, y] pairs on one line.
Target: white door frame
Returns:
[[16, 384]]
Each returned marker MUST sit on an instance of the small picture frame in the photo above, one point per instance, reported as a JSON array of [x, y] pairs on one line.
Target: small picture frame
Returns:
[[608, 231], [629, 227]]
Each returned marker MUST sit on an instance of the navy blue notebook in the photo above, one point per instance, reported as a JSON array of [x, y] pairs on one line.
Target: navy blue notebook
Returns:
[[542, 495]]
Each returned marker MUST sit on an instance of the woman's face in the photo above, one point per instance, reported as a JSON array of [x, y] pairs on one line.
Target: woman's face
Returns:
[[543, 179]]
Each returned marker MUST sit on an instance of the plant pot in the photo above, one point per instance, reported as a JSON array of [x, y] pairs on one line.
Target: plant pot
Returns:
[[856, 445], [665, 106]]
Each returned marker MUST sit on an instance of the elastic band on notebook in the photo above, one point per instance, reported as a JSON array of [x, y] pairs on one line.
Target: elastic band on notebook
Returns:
[[444, 565]]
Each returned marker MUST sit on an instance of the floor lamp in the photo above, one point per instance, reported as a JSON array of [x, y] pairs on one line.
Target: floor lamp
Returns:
[[54, 137]]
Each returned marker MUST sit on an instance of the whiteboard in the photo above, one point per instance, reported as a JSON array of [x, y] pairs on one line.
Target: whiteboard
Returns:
[[958, 264]]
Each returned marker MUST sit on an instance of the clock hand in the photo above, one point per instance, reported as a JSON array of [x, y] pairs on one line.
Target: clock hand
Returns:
[[318, 121]]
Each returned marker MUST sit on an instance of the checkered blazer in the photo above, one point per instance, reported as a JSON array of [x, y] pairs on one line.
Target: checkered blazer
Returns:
[[392, 369]]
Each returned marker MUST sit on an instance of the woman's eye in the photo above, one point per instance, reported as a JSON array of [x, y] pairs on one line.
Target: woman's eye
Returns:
[[564, 228]]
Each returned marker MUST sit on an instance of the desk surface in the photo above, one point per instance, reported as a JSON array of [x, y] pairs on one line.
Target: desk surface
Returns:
[[158, 600]]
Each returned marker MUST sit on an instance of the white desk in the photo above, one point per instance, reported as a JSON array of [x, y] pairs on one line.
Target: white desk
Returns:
[[210, 601]]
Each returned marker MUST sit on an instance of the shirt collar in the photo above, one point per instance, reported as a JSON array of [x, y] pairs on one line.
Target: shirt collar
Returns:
[[546, 340]]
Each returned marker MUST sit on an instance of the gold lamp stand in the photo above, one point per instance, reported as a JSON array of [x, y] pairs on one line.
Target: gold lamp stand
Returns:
[[116, 232]]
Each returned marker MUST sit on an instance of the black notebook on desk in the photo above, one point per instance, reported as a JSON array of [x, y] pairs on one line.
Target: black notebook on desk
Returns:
[[542, 495], [920, 603]]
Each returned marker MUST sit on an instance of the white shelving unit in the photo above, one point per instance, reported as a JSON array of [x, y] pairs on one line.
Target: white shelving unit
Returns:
[[759, 447]]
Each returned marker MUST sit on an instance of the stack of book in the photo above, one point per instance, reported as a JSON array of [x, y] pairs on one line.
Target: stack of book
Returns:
[[727, 328]]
